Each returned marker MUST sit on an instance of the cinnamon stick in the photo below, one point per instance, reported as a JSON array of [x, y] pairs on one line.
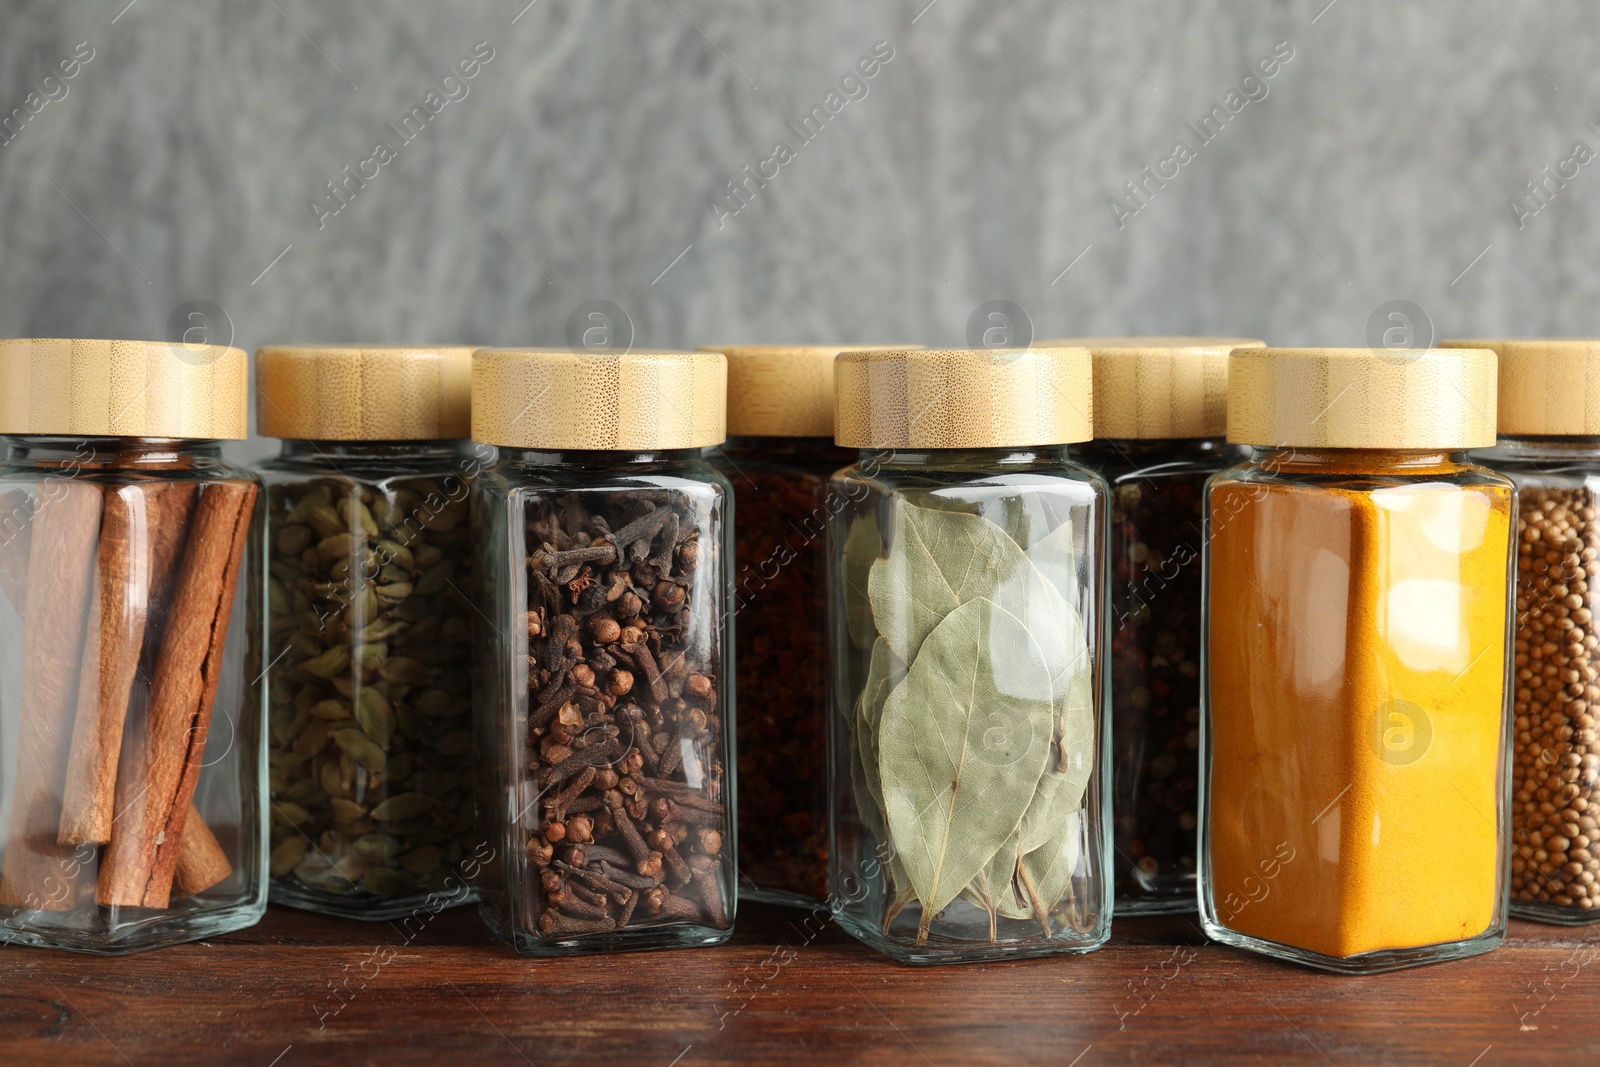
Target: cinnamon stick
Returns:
[[201, 861], [166, 545], [61, 561], [16, 536], [139, 540], [160, 769]]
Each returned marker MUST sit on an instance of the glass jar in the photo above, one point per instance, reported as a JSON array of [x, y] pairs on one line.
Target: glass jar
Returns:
[[129, 716], [1550, 447], [778, 458], [968, 818], [604, 715], [369, 715], [1160, 411], [1354, 723]]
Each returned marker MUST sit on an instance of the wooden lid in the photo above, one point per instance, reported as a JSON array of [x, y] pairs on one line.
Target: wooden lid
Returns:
[[1092, 343], [781, 390], [963, 398], [1361, 397], [364, 392], [559, 398], [1161, 387], [91, 388], [1547, 387]]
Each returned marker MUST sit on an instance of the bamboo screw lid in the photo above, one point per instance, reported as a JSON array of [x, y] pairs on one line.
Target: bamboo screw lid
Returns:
[[579, 399], [1161, 387], [364, 393], [963, 398], [1092, 343], [1547, 387], [780, 390], [97, 388], [1361, 398]]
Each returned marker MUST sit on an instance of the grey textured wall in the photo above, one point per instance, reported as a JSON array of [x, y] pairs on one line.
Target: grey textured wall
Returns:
[[585, 160]]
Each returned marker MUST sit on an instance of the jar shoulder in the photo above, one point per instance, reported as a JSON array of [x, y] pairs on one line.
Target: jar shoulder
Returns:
[[697, 479], [1061, 478], [1467, 476], [1185, 459], [201, 473], [369, 470], [1564, 471], [798, 457]]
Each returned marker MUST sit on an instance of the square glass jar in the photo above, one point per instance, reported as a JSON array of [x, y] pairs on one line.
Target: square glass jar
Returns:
[[1354, 775], [369, 549], [969, 816], [604, 701], [1550, 449], [1160, 412], [131, 815], [778, 458]]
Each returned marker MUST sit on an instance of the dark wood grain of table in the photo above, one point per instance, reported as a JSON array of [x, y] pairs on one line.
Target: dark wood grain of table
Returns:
[[789, 989]]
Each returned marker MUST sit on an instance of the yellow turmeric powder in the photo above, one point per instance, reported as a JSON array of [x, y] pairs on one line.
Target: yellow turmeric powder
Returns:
[[1355, 790]]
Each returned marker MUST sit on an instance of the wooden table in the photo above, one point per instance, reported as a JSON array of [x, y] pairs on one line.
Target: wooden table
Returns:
[[789, 989]]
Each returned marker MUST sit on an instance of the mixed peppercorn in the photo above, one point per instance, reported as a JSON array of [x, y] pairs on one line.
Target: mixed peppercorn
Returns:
[[1155, 686]]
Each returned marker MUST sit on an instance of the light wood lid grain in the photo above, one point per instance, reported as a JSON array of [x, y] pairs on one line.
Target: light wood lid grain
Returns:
[[963, 398], [1092, 343], [98, 388], [1362, 397], [1548, 387], [1161, 387], [558, 398], [364, 392], [781, 390]]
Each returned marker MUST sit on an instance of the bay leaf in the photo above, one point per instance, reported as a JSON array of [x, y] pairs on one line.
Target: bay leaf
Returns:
[[1034, 848], [1055, 556], [1045, 596], [1062, 787], [862, 547], [1038, 860], [937, 561], [1049, 608], [864, 788], [960, 756], [1044, 873], [885, 671], [980, 891]]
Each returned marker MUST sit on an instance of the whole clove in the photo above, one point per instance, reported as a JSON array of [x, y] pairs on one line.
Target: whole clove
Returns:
[[622, 683]]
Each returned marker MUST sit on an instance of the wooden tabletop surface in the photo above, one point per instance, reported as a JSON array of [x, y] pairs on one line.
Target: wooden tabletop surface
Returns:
[[789, 989]]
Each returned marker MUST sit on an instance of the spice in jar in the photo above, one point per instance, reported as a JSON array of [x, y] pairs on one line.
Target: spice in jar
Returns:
[[369, 728], [1556, 777], [1358, 602], [1160, 410], [778, 458], [1550, 447], [1155, 687], [605, 713], [122, 550], [369, 548], [623, 735], [967, 729]]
